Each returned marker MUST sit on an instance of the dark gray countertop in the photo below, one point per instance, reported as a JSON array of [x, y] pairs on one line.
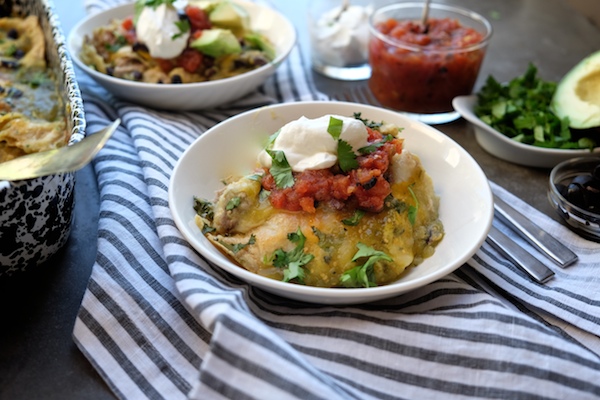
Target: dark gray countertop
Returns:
[[38, 358]]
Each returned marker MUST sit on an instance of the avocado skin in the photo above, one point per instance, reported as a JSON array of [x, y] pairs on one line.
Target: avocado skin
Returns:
[[577, 95]]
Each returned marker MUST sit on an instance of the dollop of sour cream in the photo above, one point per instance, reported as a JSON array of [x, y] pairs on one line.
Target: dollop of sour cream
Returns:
[[308, 145], [156, 28], [340, 37]]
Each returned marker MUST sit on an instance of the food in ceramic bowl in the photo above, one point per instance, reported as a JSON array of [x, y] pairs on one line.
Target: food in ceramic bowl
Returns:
[[574, 192], [231, 148], [190, 63], [41, 103]]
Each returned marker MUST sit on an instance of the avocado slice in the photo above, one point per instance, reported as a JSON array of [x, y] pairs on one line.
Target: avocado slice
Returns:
[[258, 41], [577, 95], [217, 42], [230, 16]]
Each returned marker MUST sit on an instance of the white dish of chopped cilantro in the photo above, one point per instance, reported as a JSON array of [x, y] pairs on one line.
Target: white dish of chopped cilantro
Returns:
[[514, 122]]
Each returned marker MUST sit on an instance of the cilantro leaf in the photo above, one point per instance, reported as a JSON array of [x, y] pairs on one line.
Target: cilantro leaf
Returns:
[[412, 210], [204, 208], [183, 26], [355, 219], [233, 203], [292, 261], [335, 127], [346, 156], [281, 170], [374, 146], [371, 124], [234, 248], [362, 275]]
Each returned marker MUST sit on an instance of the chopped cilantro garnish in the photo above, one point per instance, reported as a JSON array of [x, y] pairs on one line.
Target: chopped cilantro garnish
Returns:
[[233, 203], [371, 124], [293, 261], [362, 275], [234, 248], [183, 26], [255, 177], [412, 210], [203, 208], [346, 156], [374, 146], [11, 50], [354, 219], [280, 169], [335, 127]]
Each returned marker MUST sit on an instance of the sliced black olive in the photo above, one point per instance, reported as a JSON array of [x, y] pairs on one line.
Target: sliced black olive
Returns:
[[12, 34], [575, 194]]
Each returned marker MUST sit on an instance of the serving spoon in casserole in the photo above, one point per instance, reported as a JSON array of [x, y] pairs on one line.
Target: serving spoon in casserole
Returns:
[[56, 161]]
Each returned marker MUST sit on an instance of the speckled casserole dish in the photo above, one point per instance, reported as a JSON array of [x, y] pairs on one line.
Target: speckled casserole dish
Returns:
[[36, 214]]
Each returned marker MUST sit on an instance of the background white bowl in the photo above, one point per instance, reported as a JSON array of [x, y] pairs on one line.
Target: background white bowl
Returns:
[[466, 207], [503, 147], [190, 96]]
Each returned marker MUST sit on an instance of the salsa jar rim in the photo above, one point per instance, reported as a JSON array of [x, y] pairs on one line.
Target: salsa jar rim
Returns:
[[442, 7]]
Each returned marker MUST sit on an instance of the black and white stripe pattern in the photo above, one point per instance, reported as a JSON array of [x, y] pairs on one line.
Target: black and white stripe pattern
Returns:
[[158, 321]]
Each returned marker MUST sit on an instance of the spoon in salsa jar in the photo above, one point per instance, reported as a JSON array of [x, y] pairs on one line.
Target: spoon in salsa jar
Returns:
[[425, 16]]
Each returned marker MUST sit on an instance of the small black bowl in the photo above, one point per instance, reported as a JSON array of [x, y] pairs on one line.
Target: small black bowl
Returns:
[[575, 202]]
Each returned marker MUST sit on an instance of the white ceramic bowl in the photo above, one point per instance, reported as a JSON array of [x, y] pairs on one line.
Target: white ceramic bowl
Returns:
[[190, 96], [507, 149], [466, 207]]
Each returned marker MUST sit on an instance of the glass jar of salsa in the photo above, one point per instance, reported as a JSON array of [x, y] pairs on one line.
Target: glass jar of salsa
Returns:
[[420, 68]]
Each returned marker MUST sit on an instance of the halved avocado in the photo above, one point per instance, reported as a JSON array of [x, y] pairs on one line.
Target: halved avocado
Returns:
[[577, 95]]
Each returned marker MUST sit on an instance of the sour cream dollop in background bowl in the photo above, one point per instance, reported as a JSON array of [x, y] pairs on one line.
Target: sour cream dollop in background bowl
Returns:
[[190, 96]]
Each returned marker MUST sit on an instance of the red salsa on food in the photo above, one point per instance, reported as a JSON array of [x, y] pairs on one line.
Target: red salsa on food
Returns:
[[421, 71], [365, 187]]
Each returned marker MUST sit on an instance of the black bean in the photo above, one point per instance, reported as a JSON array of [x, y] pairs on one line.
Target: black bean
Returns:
[[12, 34], [137, 75], [10, 64], [176, 79], [18, 54], [110, 71], [14, 93], [368, 185], [139, 47]]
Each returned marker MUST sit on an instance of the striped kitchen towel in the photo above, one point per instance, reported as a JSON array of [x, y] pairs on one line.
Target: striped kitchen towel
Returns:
[[160, 321]]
